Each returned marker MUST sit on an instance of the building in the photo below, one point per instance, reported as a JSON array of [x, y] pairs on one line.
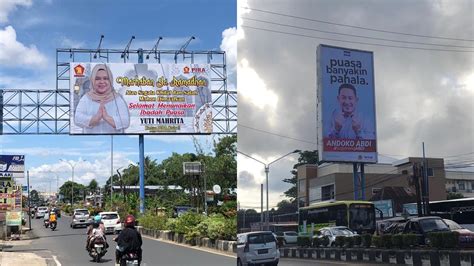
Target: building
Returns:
[[334, 181], [460, 182]]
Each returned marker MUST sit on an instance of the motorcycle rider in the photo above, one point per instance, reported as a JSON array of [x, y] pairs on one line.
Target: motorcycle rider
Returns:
[[129, 240], [46, 217], [95, 229], [52, 217]]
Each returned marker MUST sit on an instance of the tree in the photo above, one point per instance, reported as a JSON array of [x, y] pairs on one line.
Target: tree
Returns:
[[66, 188], [34, 197], [286, 206], [92, 187], [453, 195], [306, 157]]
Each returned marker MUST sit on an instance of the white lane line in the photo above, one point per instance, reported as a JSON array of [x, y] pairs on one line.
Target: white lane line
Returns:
[[56, 260], [191, 247]]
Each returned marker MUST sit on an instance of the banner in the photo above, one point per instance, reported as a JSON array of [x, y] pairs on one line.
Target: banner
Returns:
[[13, 218], [7, 194], [127, 98], [346, 105], [12, 166]]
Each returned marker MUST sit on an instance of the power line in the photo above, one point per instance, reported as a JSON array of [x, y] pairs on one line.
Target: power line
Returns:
[[353, 35], [357, 27], [276, 134], [365, 43]]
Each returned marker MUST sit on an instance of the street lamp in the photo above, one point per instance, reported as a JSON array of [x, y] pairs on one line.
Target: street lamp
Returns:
[[267, 170], [72, 184]]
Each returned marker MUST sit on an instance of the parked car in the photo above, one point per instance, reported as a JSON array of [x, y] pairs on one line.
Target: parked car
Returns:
[[290, 237], [80, 217], [333, 231], [388, 226], [41, 212], [466, 236], [424, 225], [257, 248], [111, 222]]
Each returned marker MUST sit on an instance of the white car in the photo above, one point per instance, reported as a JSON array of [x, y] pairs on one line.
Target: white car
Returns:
[[111, 222], [41, 212], [290, 237], [257, 248], [333, 231]]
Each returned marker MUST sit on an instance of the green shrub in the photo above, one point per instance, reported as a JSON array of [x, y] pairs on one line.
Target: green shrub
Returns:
[[366, 240], [387, 241], [357, 240], [316, 242], [377, 241], [451, 239], [171, 224], [154, 222], [186, 222], [339, 242], [410, 240], [435, 239], [324, 241], [348, 242], [303, 241], [397, 240]]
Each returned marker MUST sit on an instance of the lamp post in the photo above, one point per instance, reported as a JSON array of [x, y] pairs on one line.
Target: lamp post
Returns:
[[267, 170], [72, 184]]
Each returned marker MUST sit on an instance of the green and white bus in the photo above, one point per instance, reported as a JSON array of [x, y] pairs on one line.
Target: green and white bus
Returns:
[[357, 215]]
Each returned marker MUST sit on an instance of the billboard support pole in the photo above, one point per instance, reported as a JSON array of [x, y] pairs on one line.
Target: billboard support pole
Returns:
[[141, 144], [362, 182], [356, 181], [29, 200]]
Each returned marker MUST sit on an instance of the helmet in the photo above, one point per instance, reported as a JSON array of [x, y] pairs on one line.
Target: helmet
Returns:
[[129, 221], [97, 218]]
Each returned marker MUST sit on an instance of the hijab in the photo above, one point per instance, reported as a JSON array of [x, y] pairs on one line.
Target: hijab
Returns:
[[110, 94]]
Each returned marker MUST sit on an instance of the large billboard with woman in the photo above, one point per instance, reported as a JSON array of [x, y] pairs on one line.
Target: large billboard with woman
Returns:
[[126, 98]]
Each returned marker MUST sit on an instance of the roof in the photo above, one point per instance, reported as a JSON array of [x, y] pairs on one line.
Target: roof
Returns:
[[424, 218], [255, 232]]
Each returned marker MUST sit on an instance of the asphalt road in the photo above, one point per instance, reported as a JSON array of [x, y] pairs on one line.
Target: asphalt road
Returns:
[[67, 245], [306, 262]]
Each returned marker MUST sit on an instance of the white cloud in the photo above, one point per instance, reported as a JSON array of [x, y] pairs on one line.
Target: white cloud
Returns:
[[65, 42], [229, 45], [16, 54], [7, 6]]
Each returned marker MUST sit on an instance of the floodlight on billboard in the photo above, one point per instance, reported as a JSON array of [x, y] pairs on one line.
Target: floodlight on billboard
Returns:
[[127, 98], [346, 105]]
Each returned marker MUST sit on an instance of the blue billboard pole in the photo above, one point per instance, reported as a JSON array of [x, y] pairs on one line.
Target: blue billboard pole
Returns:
[[141, 144]]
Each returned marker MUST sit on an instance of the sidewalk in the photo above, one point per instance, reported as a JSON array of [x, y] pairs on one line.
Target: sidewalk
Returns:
[[13, 258]]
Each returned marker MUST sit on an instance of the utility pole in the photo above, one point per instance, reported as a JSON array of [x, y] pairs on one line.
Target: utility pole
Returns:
[[426, 184], [416, 180], [29, 199]]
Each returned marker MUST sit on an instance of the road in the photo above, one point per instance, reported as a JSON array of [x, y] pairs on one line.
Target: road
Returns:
[[306, 262], [67, 246]]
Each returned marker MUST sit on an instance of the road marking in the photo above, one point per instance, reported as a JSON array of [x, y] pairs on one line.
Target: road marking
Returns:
[[56, 260], [191, 247]]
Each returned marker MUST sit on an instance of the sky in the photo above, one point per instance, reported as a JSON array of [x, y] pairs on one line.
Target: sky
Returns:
[[424, 94], [32, 30]]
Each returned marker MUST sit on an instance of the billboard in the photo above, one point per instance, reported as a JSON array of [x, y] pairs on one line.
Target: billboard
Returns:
[[346, 105], [127, 98], [12, 166]]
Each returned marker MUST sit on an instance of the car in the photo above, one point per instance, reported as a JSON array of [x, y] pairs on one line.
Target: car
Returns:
[[424, 225], [80, 217], [258, 247], [466, 236], [290, 237], [111, 222], [41, 212], [332, 231]]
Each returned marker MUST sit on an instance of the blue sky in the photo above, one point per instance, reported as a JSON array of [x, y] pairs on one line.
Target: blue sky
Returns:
[[30, 33]]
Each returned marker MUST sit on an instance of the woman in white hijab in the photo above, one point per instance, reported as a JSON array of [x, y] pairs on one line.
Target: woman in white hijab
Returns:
[[102, 110]]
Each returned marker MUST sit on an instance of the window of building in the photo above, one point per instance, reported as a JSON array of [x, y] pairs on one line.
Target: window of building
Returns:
[[327, 192], [461, 185], [302, 185], [376, 190], [430, 172]]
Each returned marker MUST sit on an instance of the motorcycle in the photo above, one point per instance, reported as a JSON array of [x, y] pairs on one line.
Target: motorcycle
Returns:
[[129, 259], [52, 225], [98, 248], [46, 223]]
